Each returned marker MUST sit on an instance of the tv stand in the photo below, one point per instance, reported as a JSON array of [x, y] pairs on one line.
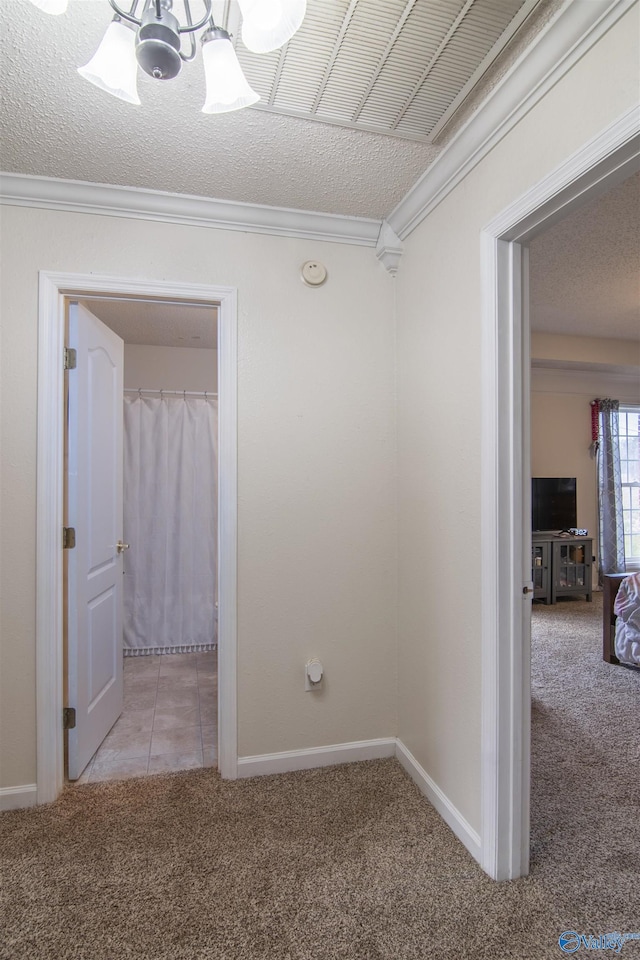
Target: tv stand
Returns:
[[561, 567]]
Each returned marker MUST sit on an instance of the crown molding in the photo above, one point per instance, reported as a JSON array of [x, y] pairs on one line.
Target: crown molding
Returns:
[[389, 248], [588, 379], [559, 46], [586, 366], [576, 28], [76, 196]]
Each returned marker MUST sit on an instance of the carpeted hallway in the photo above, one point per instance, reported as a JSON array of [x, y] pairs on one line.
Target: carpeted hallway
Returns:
[[348, 862]]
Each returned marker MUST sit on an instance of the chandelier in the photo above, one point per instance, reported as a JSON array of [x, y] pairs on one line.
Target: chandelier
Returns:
[[153, 42]]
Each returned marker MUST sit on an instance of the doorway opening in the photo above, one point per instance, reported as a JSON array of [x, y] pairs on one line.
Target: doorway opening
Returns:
[[55, 290], [156, 711], [507, 587], [585, 344]]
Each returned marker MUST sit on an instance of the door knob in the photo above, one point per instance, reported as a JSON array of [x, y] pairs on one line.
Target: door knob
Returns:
[[121, 547]]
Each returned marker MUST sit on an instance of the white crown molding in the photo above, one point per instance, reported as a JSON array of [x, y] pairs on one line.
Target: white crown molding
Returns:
[[311, 757], [389, 248], [583, 366], [559, 46], [586, 379], [76, 196]]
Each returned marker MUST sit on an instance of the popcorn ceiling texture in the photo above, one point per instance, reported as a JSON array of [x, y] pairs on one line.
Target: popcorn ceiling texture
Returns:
[[585, 270], [54, 124], [161, 324]]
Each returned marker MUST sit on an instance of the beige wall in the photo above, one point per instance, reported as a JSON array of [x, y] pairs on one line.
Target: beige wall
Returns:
[[317, 552], [554, 346], [170, 368], [560, 439], [561, 412], [439, 415]]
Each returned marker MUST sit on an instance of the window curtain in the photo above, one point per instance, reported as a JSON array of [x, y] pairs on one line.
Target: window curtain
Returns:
[[170, 523], [612, 558]]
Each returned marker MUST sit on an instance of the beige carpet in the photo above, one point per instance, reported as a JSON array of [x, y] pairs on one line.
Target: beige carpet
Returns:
[[348, 862]]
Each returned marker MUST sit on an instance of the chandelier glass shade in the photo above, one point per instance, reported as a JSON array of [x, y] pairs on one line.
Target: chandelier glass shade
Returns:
[[227, 87], [268, 24], [114, 67], [153, 42]]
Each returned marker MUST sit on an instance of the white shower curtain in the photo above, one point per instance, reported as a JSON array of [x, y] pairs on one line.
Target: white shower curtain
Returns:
[[170, 524]]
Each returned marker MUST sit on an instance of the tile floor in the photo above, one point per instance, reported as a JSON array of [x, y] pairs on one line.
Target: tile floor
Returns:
[[169, 721]]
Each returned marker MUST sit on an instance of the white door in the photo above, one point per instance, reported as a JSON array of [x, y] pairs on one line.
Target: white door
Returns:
[[95, 512]]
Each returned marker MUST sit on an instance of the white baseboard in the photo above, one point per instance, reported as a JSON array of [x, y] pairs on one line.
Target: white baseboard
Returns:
[[290, 760], [14, 798], [451, 816]]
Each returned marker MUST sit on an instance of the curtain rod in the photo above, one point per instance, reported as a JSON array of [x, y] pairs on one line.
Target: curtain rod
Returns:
[[171, 393]]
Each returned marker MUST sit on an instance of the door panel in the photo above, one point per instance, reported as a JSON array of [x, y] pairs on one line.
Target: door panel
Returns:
[[95, 510]]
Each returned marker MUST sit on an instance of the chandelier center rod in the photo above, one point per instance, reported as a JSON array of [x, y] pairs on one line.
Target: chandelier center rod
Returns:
[[159, 5]]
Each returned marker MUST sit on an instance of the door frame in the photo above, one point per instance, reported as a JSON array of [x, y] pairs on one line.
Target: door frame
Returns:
[[607, 159], [54, 288]]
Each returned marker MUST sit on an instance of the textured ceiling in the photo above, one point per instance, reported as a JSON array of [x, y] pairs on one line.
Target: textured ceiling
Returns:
[[418, 74], [585, 270], [406, 75], [158, 323]]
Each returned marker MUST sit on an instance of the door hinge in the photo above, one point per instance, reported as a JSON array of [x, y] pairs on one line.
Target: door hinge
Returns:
[[70, 358], [68, 538], [68, 718]]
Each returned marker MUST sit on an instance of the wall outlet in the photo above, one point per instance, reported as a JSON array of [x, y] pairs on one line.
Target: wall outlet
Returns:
[[313, 675]]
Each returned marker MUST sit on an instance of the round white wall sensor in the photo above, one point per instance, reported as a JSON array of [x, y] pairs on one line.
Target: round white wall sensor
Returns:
[[313, 273]]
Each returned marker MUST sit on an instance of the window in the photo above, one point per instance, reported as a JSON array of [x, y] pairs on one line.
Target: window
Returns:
[[629, 433]]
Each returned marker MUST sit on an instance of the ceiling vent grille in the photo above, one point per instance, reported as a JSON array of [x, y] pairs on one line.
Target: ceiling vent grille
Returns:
[[398, 67]]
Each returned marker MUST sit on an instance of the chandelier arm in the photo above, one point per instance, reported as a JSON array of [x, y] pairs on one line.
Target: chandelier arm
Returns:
[[188, 57], [126, 16], [196, 26]]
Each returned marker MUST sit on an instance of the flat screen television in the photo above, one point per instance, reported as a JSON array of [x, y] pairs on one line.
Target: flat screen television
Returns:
[[553, 503]]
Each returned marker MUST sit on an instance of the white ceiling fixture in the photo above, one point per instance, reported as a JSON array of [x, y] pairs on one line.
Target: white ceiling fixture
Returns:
[[153, 42]]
